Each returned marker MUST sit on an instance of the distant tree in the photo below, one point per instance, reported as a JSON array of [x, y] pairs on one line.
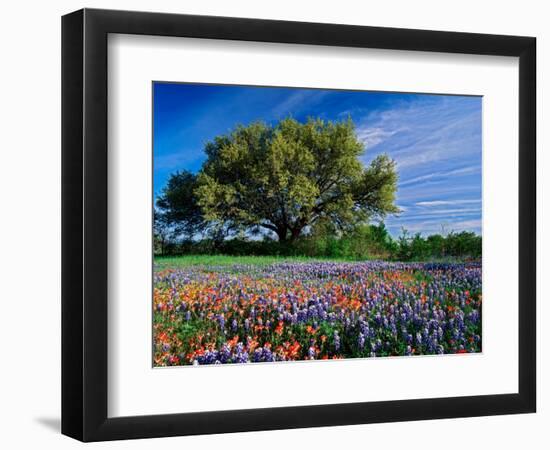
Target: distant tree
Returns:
[[287, 177], [419, 249], [369, 241], [161, 233], [177, 207], [436, 244], [464, 243], [404, 245], [381, 236]]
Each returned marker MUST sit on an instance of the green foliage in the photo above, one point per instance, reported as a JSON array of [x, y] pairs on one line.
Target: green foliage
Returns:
[[361, 243], [290, 176], [177, 211], [225, 260], [304, 182], [463, 245]]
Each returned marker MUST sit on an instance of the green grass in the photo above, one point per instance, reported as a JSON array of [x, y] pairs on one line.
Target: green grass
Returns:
[[164, 262], [223, 260]]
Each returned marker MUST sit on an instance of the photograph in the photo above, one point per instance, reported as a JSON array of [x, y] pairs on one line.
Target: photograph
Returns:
[[299, 224], [272, 225]]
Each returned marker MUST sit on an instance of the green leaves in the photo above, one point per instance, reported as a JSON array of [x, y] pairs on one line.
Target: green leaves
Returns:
[[375, 191], [177, 206], [287, 177]]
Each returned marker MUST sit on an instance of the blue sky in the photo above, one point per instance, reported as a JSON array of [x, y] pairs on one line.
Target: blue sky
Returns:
[[434, 139]]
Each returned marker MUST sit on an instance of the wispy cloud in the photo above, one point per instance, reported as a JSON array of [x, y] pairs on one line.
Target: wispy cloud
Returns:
[[443, 143], [444, 213], [471, 225], [434, 139], [371, 137], [428, 227], [292, 104], [441, 176], [426, 131], [425, 192], [446, 202]]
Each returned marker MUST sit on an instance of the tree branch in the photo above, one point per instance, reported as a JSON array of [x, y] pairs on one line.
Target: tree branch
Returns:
[[269, 226]]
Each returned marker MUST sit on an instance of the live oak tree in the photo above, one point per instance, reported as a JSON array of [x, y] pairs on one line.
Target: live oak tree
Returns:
[[287, 177]]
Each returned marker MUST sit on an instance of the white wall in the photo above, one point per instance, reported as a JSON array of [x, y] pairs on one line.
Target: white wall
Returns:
[[30, 223]]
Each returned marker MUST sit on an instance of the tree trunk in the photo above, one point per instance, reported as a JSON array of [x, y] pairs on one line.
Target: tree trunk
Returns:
[[295, 233], [281, 233]]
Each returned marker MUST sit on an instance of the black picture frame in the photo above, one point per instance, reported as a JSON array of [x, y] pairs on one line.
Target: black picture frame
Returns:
[[84, 224]]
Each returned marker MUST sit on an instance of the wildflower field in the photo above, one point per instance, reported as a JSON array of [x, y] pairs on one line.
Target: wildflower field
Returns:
[[231, 310]]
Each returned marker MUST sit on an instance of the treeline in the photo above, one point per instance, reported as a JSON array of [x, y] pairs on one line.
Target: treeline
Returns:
[[363, 242]]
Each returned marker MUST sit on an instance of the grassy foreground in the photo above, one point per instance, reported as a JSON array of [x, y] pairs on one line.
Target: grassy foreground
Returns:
[[163, 262]]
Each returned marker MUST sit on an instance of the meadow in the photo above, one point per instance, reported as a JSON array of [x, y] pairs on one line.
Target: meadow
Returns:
[[244, 309], [225, 260]]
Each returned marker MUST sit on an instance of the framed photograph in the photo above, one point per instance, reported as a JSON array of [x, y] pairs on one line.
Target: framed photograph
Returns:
[[273, 224]]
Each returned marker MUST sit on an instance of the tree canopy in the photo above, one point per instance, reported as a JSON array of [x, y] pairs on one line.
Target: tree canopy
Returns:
[[284, 178], [177, 206]]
